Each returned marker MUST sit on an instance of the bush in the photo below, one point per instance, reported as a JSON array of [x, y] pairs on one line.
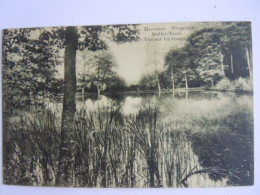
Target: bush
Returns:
[[224, 84], [241, 84]]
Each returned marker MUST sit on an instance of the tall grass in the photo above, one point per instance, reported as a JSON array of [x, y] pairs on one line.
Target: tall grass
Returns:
[[30, 150], [111, 149]]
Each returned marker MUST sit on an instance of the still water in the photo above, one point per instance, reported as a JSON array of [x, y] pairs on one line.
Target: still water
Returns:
[[211, 135]]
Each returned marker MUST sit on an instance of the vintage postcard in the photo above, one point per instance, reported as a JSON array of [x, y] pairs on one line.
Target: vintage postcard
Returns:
[[129, 106]]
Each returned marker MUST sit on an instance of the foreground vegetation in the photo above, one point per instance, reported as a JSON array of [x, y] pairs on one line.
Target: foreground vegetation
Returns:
[[111, 149]]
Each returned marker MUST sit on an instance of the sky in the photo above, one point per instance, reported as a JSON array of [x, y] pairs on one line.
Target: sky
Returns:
[[130, 59]]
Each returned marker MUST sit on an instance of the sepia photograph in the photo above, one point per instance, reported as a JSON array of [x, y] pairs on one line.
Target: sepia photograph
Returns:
[[156, 105]]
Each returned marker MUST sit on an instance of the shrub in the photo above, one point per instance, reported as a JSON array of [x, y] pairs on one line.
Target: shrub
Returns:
[[241, 84], [224, 84]]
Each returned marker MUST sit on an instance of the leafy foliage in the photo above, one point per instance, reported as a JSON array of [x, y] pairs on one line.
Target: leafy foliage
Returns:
[[28, 65], [99, 69], [213, 53], [30, 58]]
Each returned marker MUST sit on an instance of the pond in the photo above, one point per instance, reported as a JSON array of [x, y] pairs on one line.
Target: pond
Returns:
[[181, 139], [217, 130]]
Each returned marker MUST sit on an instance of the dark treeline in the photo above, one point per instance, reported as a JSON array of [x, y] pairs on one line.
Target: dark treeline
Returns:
[[210, 55]]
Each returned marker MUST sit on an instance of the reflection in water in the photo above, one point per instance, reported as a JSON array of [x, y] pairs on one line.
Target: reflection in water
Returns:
[[187, 94], [131, 105], [219, 145], [93, 105], [182, 139]]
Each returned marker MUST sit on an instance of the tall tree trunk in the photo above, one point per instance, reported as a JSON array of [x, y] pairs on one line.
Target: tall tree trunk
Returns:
[[159, 87], [222, 63], [249, 62], [186, 81], [151, 174], [231, 63], [84, 79], [172, 81], [66, 158]]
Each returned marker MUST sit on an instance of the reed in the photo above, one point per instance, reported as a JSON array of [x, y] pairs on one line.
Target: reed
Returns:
[[117, 150]]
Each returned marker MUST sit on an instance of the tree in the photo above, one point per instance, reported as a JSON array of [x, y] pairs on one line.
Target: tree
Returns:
[[238, 46], [180, 66], [207, 55], [69, 108], [211, 54], [211, 68], [82, 75], [173, 63], [100, 70], [149, 81], [29, 62], [154, 65], [116, 84], [227, 46], [84, 38]]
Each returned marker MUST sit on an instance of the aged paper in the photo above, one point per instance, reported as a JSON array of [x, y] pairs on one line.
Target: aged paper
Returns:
[[133, 105]]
